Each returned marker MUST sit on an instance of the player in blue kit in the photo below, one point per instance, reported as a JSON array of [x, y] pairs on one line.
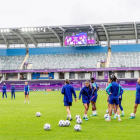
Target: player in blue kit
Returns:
[[114, 97], [12, 91], [4, 91], [68, 90], [26, 91], [120, 100], [137, 101], [94, 95], [85, 93]]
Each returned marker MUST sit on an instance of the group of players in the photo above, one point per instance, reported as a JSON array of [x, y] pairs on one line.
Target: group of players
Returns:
[[26, 91], [89, 94]]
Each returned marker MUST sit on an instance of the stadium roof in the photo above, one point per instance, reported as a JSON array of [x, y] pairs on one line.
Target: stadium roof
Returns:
[[54, 34]]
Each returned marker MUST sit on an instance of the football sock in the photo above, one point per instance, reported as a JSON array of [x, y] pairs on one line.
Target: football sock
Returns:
[[119, 117], [123, 112]]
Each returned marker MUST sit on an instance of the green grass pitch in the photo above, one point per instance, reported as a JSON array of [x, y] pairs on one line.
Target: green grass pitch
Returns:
[[18, 121]]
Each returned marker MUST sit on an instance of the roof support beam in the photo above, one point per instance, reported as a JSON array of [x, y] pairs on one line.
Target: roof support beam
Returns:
[[5, 40], [33, 39], [106, 36], [136, 33], [97, 37], [57, 35], [62, 29], [21, 37]]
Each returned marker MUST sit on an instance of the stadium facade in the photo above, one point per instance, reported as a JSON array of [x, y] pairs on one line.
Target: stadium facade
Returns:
[[45, 56]]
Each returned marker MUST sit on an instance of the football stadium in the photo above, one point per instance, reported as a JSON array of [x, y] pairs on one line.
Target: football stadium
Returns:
[[70, 82]]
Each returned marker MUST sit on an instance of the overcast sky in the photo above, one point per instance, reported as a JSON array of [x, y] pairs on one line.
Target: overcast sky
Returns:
[[31, 13]]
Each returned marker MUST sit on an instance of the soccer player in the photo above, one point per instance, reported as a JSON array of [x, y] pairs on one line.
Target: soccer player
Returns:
[[94, 95], [12, 91], [120, 100], [85, 93], [68, 90], [114, 97], [26, 91], [137, 101], [4, 91]]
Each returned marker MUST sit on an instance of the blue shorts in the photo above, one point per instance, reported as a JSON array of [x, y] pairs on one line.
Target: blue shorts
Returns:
[[86, 103], [93, 97], [114, 100], [67, 103], [26, 93], [137, 101]]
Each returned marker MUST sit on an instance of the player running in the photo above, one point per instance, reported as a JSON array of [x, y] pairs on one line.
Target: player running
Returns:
[[85, 93], [68, 90], [94, 95], [4, 91], [12, 91], [26, 91], [114, 97], [137, 101]]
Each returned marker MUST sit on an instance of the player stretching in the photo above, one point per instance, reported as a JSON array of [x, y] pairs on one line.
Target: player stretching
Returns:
[[93, 98], [137, 101], [26, 91], [68, 90], [85, 93], [4, 91], [114, 97], [12, 91]]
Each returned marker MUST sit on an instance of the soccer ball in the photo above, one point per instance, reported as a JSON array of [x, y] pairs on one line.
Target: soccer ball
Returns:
[[106, 116], [77, 117], [107, 111], [67, 123], [61, 123], [47, 126], [38, 114], [79, 121], [77, 127], [132, 115]]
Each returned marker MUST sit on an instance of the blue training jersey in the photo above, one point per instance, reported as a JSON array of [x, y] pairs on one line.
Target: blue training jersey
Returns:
[[85, 93], [138, 91], [13, 88], [121, 91], [68, 90], [26, 88], [114, 88], [93, 87], [4, 88]]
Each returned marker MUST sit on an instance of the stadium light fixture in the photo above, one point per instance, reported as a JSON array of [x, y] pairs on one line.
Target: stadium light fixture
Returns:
[[1, 30], [26, 29], [7, 30], [32, 29], [4, 30]]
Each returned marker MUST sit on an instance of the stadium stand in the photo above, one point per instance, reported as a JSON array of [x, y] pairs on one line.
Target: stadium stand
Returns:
[[11, 59], [125, 55], [68, 57]]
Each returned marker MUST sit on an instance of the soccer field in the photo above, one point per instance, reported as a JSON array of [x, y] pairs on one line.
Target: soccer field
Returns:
[[18, 121]]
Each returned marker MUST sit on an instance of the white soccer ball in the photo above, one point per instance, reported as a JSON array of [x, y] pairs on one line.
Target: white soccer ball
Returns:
[[77, 117], [132, 115], [61, 123], [38, 114], [67, 123], [77, 127], [79, 121], [107, 111], [47, 126], [106, 116]]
